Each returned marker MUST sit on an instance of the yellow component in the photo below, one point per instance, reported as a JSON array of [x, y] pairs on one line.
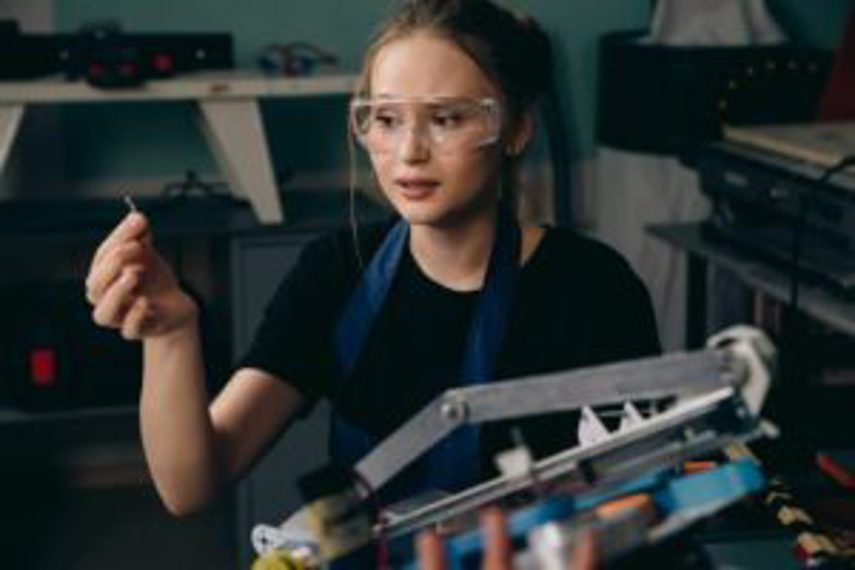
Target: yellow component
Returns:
[[789, 516], [815, 544], [339, 524], [273, 561], [282, 560]]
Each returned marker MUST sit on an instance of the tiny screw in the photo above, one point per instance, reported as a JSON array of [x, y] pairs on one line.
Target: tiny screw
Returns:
[[454, 412]]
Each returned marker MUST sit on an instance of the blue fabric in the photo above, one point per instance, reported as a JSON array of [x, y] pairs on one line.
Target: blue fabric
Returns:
[[367, 301], [455, 462]]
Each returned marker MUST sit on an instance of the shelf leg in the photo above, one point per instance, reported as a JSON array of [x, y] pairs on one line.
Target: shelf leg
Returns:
[[235, 134], [10, 121]]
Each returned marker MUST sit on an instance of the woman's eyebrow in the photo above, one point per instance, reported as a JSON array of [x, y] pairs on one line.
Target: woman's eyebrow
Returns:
[[426, 98]]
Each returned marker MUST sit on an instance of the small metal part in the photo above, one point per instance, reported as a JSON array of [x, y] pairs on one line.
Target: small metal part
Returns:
[[454, 411], [732, 369], [130, 203]]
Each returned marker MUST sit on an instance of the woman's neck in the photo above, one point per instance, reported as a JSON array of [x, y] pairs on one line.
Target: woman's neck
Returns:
[[455, 257]]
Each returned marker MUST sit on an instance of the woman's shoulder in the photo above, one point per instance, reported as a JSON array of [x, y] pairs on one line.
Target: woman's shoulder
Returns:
[[568, 250], [327, 267], [341, 249], [591, 277]]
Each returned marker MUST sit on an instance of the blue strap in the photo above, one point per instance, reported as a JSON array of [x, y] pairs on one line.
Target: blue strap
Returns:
[[454, 462], [364, 307], [491, 316]]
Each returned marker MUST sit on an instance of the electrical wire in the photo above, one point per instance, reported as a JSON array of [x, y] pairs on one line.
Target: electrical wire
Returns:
[[792, 366], [800, 227], [377, 506]]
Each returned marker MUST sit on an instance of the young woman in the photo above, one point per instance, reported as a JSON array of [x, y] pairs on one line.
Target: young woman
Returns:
[[454, 292]]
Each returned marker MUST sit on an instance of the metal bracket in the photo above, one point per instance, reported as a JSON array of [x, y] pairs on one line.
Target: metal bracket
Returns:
[[719, 392]]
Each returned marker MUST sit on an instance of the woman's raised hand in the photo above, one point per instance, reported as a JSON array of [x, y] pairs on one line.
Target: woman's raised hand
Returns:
[[132, 288]]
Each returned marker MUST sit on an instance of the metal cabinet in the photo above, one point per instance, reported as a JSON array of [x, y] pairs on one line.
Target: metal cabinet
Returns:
[[269, 493]]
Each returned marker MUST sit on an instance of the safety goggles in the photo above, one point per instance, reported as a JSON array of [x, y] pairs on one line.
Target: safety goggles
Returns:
[[447, 124]]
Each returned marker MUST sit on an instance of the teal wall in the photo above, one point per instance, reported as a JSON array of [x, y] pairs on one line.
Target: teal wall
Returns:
[[156, 140], [816, 22]]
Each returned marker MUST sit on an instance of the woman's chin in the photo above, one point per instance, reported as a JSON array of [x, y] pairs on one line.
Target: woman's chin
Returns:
[[420, 217], [440, 217], [438, 212]]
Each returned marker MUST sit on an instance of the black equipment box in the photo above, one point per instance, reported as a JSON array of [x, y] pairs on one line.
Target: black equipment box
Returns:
[[671, 99], [53, 356], [761, 199], [106, 56]]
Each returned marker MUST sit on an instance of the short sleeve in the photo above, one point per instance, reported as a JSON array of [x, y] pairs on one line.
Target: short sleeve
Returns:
[[294, 339], [628, 324]]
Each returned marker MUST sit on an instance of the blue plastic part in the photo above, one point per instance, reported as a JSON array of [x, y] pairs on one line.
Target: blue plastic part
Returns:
[[724, 484], [719, 486]]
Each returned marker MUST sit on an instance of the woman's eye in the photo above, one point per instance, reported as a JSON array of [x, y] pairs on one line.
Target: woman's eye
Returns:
[[448, 119], [386, 120]]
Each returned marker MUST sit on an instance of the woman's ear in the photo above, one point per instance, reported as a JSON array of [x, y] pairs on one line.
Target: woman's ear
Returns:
[[520, 135]]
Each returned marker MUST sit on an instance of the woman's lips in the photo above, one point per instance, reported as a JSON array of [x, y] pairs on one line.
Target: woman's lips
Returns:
[[416, 188]]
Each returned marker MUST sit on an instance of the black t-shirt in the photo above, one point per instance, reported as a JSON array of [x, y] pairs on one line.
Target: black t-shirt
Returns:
[[578, 304]]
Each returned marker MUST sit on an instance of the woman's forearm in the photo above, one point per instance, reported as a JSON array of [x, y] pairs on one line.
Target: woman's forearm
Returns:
[[177, 433]]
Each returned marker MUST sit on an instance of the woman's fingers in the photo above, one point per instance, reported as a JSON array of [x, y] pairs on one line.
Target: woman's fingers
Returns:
[[111, 307], [134, 226], [107, 270], [130, 286], [136, 319]]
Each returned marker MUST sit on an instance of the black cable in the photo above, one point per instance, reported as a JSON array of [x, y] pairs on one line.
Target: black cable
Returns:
[[793, 366], [184, 191], [193, 185], [373, 498], [801, 224]]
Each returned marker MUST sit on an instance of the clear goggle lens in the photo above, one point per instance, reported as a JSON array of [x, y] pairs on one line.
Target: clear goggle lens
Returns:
[[448, 124]]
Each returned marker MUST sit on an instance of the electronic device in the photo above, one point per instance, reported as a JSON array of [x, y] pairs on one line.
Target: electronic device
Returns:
[[717, 392], [106, 56], [683, 95], [54, 357], [297, 59], [763, 199]]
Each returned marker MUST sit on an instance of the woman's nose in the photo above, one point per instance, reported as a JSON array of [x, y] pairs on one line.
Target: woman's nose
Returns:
[[414, 146]]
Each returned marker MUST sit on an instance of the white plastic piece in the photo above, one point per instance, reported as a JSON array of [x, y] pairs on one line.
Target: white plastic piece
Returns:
[[516, 462], [630, 416], [757, 353], [591, 430], [550, 547], [714, 23], [266, 538], [293, 533]]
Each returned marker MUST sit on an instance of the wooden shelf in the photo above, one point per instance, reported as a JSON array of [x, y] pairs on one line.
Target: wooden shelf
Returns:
[[219, 86], [229, 110]]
